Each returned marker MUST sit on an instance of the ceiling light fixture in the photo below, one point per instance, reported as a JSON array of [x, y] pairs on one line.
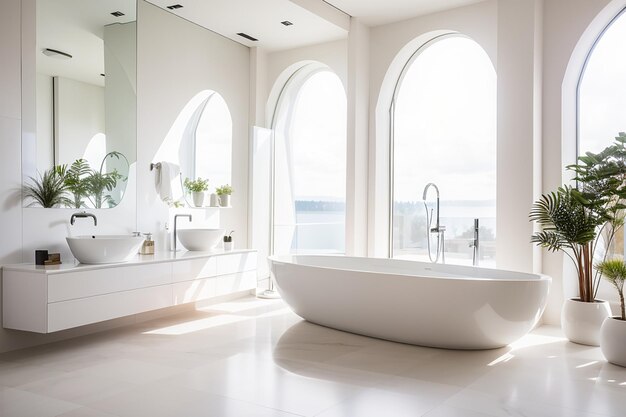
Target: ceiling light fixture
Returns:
[[54, 53], [175, 6], [117, 14], [286, 23], [248, 37]]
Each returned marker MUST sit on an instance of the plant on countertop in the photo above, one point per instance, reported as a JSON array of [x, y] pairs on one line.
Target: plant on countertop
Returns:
[[224, 190], [196, 186], [578, 220], [48, 190], [614, 271]]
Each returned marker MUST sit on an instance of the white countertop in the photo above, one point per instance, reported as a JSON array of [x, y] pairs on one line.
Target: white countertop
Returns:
[[158, 257]]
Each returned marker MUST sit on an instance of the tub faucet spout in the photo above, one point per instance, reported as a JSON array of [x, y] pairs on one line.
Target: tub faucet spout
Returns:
[[438, 229], [475, 243]]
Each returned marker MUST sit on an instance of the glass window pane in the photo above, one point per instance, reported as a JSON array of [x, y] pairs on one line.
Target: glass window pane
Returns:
[[602, 98], [310, 168], [445, 133]]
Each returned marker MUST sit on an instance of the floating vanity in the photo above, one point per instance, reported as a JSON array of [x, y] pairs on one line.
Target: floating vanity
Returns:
[[48, 299]]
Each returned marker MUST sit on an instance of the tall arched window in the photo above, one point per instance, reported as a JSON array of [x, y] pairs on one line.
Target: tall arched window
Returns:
[[444, 132], [206, 140], [310, 164], [602, 96]]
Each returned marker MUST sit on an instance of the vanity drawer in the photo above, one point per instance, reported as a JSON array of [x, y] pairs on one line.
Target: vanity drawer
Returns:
[[196, 290], [243, 281], [72, 285], [79, 312], [237, 262], [194, 269]]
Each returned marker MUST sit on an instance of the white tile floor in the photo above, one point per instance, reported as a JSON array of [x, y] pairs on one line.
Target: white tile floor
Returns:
[[253, 357]]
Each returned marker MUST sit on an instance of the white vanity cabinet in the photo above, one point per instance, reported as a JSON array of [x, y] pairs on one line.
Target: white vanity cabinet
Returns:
[[48, 299]]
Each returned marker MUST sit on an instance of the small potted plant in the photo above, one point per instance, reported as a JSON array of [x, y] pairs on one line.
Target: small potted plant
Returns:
[[197, 189], [613, 331], [228, 241], [224, 193]]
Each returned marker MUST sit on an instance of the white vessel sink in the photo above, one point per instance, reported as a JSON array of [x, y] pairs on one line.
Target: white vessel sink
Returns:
[[200, 239], [104, 249]]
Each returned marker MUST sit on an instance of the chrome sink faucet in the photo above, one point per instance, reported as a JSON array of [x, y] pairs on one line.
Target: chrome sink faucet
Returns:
[[188, 216], [83, 215]]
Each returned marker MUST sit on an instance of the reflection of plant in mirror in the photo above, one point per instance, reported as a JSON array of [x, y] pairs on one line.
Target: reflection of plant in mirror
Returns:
[[97, 183], [224, 190], [196, 186], [74, 180], [47, 191]]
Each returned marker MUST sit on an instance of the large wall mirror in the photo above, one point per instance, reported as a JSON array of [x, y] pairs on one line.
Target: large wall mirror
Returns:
[[206, 144], [86, 101]]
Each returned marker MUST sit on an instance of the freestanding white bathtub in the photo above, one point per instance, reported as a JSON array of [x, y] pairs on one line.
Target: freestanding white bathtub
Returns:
[[446, 306]]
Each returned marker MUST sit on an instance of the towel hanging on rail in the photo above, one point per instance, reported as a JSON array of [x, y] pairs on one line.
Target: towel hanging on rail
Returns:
[[167, 181]]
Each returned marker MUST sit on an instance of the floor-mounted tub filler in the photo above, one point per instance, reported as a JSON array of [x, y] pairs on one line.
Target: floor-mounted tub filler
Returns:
[[445, 306]]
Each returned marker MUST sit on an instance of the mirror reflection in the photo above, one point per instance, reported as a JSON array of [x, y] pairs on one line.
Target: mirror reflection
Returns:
[[205, 151], [86, 101]]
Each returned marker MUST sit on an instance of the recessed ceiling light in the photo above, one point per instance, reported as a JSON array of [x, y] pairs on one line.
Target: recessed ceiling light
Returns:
[[175, 6], [102, 75], [117, 14], [54, 53], [286, 23], [248, 37]]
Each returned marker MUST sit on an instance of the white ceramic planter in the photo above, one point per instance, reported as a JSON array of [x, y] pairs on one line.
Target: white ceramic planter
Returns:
[[225, 200], [613, 341], [198, 198], [581, 321]]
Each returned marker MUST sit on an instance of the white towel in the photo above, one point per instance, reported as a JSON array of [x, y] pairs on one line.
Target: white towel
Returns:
[[168, 182]]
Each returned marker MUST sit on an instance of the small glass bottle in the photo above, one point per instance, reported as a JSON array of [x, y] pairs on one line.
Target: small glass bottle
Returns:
[[147, 248]]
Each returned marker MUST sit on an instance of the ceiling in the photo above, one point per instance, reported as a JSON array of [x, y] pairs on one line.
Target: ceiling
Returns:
[[77, 28], [380, 12], [262, 19]]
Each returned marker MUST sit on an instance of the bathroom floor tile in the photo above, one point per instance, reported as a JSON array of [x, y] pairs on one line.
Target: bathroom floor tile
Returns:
[[253, 357], [164, 400], [78, 388], [18, 403]]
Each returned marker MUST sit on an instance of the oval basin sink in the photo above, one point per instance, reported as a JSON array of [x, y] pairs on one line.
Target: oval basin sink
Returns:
[[104, 249], [200, 239]]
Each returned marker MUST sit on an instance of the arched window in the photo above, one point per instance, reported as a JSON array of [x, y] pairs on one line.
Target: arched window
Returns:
[[602, 96], [309, 177], [206, 140], [444, 132]]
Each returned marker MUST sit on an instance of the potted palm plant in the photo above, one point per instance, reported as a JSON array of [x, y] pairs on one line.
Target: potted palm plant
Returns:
[[581, 222], [197, 188], [224, 193], [613, 331]]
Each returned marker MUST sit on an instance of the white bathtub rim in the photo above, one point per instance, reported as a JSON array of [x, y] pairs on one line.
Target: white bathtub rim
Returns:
[[530, 277]]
